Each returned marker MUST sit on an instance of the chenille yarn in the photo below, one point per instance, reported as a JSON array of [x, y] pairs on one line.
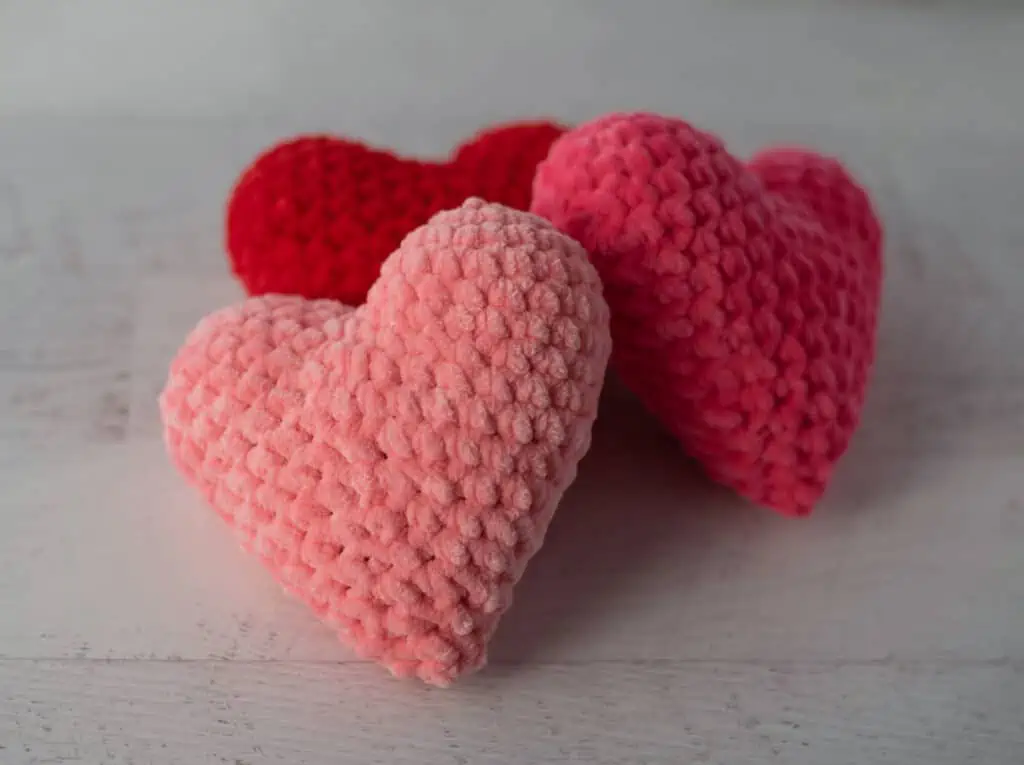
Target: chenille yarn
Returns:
[[317, 215], [744, 297], [396, 465]]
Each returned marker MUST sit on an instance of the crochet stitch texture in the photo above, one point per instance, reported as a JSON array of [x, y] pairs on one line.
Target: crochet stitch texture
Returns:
[[396, 465], [744, 297], [317, 215]]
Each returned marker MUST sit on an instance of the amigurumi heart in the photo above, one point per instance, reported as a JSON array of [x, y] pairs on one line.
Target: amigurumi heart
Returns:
[[396, 465], [316, 215], [744, 297]]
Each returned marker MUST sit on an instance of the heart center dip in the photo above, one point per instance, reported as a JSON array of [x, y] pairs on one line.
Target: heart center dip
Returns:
[[396, 465], [316, 215], [744, 296]]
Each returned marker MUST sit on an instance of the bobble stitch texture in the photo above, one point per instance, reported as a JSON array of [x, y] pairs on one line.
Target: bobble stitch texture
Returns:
[[744, 298], [316, 216], [396, 465]]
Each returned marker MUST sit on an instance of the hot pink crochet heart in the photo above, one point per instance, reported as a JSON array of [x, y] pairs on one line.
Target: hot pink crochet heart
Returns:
[[397, 465], [744, 297]]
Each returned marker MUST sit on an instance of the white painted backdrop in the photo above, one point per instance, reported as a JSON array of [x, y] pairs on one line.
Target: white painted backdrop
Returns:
[[665, 621]]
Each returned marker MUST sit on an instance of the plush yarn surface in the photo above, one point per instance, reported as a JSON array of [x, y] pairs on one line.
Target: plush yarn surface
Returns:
[[744, 297], [396, 465], [317, 215]]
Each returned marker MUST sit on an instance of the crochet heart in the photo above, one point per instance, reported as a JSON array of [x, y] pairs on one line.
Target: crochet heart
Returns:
[[744, 297], [316, 215], [396, 465]]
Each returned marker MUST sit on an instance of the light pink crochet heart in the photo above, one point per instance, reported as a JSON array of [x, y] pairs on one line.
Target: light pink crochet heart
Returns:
[[397, 465], [744, 298]]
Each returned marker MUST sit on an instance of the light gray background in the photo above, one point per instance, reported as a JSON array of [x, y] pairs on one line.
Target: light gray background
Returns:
[[665, 621]]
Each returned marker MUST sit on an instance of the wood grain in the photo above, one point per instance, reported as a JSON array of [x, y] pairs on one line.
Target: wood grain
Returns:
[[664, 621], [630, 713]]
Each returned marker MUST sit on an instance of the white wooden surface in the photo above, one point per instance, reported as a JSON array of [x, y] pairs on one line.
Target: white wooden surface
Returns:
[[664, 622]]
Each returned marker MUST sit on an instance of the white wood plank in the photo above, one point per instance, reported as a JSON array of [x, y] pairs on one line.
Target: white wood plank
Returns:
[[920, 531], [634, 713], [109, 555], [954, 278], [664, 621], [14, 237], [65, 357], [376, 68], [116, 196]]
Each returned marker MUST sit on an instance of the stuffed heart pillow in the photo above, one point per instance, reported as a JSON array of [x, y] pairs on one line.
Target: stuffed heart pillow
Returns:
[[396, 465], [744, 296], [316, 215]]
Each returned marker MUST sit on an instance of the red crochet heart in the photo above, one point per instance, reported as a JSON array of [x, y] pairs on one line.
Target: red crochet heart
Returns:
[[316, 215], [744, 298]]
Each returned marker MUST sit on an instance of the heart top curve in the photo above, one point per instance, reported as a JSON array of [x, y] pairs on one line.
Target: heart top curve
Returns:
[[396, 465], [744, 297], [316, 215]]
